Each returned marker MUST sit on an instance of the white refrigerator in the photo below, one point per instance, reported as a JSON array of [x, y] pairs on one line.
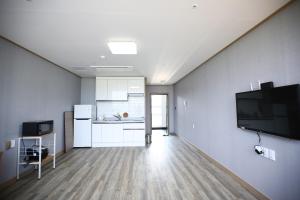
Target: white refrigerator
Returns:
[[83, 116]]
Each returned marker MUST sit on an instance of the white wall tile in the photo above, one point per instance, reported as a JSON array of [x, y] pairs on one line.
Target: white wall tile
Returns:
[[135, 106]]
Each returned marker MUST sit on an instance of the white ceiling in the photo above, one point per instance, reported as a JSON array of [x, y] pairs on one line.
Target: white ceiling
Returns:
[[172, 37]]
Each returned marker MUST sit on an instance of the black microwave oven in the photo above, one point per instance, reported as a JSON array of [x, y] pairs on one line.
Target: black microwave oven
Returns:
[[37, 128]]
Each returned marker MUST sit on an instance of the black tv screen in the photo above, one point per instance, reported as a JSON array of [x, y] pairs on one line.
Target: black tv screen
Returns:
[[275, 111]]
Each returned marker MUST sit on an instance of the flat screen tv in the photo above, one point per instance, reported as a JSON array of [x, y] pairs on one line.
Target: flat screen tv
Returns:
[[274, 111]]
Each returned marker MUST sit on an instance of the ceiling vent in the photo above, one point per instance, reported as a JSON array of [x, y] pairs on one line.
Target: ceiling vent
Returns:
[[104, 68]]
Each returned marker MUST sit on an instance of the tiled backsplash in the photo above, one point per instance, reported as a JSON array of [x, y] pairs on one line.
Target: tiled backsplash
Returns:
[[134, 106]]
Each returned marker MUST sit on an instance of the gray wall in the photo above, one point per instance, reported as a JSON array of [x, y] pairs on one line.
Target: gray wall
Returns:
[[88, 91], [269, 53], [31, 89], [160, 89]]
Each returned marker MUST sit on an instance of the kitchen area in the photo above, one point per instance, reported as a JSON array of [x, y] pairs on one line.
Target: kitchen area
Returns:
[[115, 117]]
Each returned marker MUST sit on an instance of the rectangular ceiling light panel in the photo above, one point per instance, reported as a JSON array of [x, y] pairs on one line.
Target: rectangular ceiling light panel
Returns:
[[122, 47]]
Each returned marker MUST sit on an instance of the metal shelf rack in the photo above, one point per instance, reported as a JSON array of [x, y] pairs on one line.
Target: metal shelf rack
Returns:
[[38, 141]]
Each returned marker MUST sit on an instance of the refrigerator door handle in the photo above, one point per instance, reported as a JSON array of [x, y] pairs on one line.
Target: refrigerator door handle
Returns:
[[83, 119]]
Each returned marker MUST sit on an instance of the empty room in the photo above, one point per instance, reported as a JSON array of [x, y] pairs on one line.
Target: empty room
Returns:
[[149, 100]]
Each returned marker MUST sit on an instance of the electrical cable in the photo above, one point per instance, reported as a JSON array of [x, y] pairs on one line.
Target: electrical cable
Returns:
[[258, 147], [259, 138]]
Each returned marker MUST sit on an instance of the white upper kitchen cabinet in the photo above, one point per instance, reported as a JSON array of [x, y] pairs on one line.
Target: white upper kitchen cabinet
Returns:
[[101, 89], [136, 86], [117, 89]]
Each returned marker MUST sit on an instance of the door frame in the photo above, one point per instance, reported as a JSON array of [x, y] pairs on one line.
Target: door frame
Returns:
[[167, 113]]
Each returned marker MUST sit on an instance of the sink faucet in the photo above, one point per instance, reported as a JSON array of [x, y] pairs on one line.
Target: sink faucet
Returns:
[[118, 116]]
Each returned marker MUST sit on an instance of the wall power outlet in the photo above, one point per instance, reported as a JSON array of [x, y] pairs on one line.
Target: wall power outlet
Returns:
[[265, 152], [10, 144], [272, 155], [269, 153]]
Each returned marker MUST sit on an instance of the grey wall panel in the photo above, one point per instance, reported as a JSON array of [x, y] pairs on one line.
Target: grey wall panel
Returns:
[[269, 53], [88, 91], [31, 89], [160, 89]]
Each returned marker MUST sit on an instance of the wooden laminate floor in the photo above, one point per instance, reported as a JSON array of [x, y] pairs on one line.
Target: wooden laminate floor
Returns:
[[168, 169]]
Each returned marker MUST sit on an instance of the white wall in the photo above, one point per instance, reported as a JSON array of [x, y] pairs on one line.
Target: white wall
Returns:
[[269, 53], [160, 89]]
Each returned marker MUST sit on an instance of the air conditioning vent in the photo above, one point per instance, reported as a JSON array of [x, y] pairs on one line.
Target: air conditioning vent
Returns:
[[104, 68]]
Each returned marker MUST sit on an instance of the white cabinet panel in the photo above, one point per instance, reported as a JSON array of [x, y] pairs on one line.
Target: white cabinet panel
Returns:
[[136, 86], [112, 133], [96, 134], [134, 126], [101, 89], [139, 136], [117, 89], [116, 135], [128, 136], [134, 136]]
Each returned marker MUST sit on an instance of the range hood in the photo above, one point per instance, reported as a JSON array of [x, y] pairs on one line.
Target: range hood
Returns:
[[135, 95]]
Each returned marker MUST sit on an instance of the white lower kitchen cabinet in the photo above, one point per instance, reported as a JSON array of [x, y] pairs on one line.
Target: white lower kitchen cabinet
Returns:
[[134, 137], [139, 136], [114, 135], [134, 134], [96, 135]]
